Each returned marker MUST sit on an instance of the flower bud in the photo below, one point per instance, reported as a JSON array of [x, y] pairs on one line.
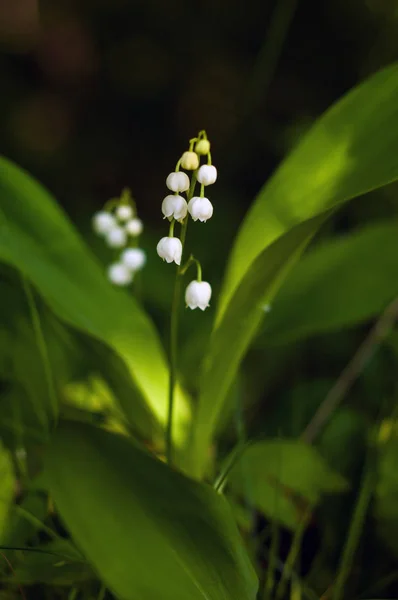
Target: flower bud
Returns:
[[198, 294], [174, 207], [116, 237], [170, 249], [119, 274], [207, 174], [202, 147], [178, 182], [133, 258], [190, 161], [103, 222], [124, 212], [200, 208], [134, 227]]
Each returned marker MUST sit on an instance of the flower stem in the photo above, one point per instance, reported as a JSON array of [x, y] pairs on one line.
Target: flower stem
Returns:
[[174, 335]]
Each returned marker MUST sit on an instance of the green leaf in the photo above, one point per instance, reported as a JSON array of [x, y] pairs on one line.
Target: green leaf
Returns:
[[278, 475], [37, 238], [6, 489], [351, 150], [340, 283], [386, 493], [149, 531]]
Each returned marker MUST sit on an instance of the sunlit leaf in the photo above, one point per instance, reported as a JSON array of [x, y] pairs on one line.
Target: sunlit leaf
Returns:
[[37, 238], [352, 149]]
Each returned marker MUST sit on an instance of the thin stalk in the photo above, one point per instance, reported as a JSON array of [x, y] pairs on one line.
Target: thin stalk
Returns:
[[230, 462], [102, 592], [173, 348], [292, 556], [272, 559], [354, 532], [41, 345], [352, 371], [36, 522]]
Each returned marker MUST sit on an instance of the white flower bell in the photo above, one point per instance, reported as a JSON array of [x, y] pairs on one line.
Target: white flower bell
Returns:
[[134, 227], [116, 237], [190, 161], [207, 174], [119, 274], [178, 182], [198, 294], [200, 208], [174, 207], [133, 258], [170, 249], [103, 222], [124, 212]]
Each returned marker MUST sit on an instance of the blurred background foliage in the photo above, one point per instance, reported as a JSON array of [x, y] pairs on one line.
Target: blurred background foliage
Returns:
[[99, 95]]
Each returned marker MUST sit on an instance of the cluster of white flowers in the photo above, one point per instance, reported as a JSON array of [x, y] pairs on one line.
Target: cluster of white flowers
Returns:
[[176, 208], [120, 227]]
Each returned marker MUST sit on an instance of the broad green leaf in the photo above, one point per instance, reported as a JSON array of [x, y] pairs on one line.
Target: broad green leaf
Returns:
[[149, 531], [277, 476], [6, 489], [37, 238], [340, 283], [351, 150]]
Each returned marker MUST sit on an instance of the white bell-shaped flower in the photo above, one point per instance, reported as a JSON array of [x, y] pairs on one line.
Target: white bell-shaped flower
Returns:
[[103, 222], [133, 258], [170, 249], [174, 207], [124, 212], [134, 227], [178, 182], [207, 174], [116, 237], [190, 161], [200, 208], [119, 274], [198, 294]]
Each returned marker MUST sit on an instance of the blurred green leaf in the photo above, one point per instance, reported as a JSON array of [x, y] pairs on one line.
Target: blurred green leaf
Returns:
[[340, 283], [351, 150], [37, 239], [6, 489], [386, 495], [280, 477], [56, 563], [149, 531]]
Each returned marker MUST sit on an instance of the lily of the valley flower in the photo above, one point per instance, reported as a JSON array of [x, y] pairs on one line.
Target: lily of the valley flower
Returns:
[[200, 208], [170, 249], [198, 294], [124, 212], [133, 258], [103, 222], [190, 161], [119, 274], [178, 182], [174, 207], [207, 174], [134, 227], [202, 147], [116, 237]]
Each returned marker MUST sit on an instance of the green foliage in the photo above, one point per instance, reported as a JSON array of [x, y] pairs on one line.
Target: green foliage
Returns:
[[350, 151], [37, 239], [149, 531], [282, 477], [386, 496], [7, 483], [339, 283]]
